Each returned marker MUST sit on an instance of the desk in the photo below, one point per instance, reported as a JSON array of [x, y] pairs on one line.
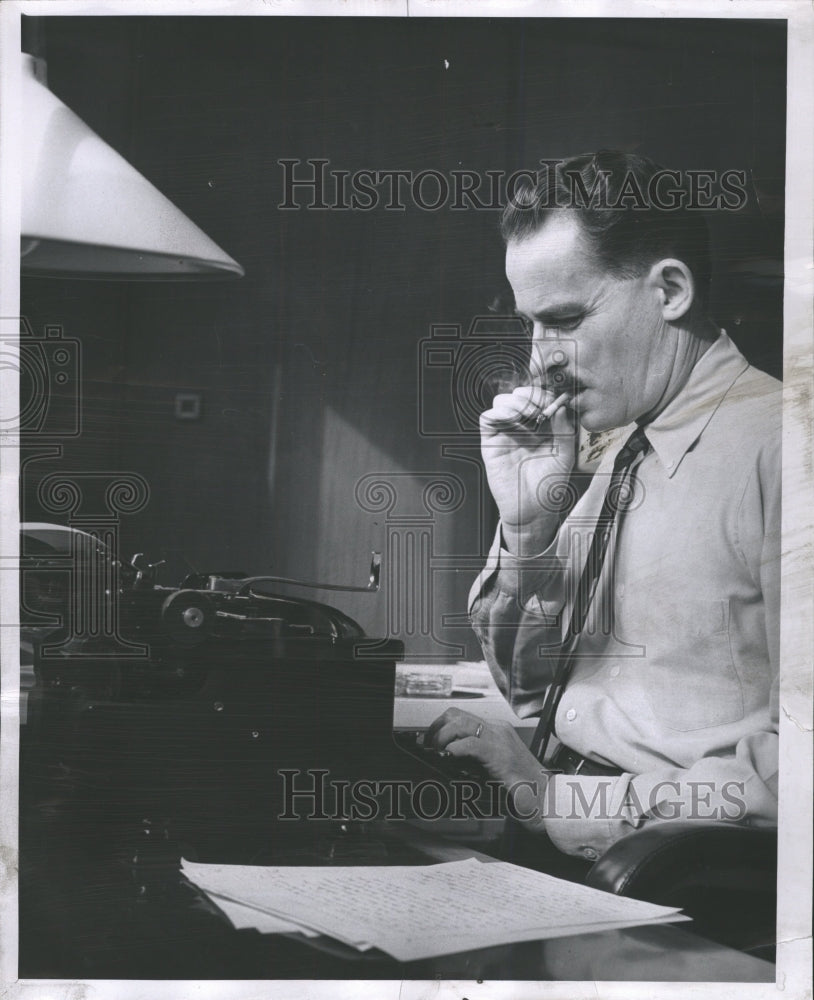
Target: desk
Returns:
[[97, 904], [85, 916], [473, 690]]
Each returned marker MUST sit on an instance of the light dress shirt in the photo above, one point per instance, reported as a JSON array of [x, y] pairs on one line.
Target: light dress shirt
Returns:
[[676, 674]]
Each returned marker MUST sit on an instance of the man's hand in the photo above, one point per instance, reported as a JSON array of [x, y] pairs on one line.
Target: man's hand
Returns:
[[501, 753], [527, 460]]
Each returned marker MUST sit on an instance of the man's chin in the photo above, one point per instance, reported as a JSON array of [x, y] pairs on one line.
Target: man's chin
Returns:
[[595, 423]]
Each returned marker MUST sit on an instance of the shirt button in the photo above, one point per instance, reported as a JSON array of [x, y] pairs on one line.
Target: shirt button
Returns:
[[670, 464], [590, 853], [620, 590], [571, 714], [615, 671]]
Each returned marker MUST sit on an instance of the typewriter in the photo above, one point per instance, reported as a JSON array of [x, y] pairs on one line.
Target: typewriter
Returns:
[[198, 708]]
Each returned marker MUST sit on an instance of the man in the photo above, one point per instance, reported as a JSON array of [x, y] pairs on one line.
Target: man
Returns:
[[670, 704]]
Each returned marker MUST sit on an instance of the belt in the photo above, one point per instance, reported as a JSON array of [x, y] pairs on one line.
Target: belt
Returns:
[[570, 762]]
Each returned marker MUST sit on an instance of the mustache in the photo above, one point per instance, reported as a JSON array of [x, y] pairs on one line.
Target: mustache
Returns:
[[562, 381], [556, 380]]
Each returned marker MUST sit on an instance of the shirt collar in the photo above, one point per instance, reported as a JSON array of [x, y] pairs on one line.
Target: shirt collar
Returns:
[[676, 429]]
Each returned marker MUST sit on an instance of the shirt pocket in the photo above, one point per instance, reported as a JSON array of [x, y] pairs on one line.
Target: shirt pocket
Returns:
[[691, 679]]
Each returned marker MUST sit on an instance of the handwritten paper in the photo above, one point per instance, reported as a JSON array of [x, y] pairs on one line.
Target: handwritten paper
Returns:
[[417, 912], [243, 916]]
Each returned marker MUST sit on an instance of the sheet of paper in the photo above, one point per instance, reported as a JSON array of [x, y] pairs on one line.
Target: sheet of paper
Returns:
[[245, 917], [249, 916], [424, 911], [236, 883], [449, 943]]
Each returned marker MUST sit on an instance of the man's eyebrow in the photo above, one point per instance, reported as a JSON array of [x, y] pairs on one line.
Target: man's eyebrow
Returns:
[[553, 312]]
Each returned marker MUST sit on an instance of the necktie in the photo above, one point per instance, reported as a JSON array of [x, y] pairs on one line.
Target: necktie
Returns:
[[616, 497]]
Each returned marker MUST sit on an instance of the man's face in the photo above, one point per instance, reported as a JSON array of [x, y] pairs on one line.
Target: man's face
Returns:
[[614, 350]]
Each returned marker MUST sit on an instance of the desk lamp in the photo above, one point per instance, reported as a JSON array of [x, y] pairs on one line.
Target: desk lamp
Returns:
[[86, 213]]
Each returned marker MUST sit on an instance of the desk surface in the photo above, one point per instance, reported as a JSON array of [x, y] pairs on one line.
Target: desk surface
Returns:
[[472, 689], [94, 904], [84, 918]]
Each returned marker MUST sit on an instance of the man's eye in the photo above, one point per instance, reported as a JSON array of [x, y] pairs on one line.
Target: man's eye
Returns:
[[566, 323]]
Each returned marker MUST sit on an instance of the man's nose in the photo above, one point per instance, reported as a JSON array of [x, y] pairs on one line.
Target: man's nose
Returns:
[[554, 361]]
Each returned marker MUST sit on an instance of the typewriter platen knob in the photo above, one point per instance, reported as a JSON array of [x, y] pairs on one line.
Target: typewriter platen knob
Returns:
[[187, 617]]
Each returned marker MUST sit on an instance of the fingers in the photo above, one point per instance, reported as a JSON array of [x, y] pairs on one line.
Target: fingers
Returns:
[[454, 724], [524, 409], [494, 746], [520, 407], [502, 755], [470, 747], [563, 420]]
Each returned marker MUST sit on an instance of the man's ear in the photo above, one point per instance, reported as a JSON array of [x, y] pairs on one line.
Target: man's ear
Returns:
[[675, 286]]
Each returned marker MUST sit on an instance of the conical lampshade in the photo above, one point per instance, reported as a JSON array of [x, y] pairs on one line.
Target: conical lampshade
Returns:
[[86, 213]]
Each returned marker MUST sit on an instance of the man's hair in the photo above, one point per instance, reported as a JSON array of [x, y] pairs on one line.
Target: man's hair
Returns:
[[631, 211]]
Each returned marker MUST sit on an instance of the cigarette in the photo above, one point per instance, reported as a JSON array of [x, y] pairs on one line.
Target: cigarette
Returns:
[[552, 408]]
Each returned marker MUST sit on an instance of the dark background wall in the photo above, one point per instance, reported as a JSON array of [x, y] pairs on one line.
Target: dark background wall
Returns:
[[308, 366]]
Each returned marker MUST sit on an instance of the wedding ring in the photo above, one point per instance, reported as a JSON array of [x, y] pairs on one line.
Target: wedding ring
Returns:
[[479, 730]]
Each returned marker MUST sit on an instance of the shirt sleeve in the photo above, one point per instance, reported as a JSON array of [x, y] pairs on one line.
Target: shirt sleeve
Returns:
[[585, 815], [515, 608]]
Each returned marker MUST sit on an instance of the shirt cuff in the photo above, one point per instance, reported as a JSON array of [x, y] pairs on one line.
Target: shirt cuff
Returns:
[[586, 814], [520, 577]]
